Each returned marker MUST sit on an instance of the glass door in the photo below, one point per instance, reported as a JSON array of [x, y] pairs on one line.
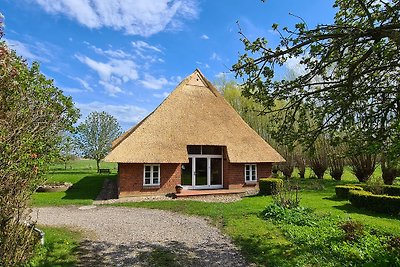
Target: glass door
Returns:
[[201, 172], [216, 171]]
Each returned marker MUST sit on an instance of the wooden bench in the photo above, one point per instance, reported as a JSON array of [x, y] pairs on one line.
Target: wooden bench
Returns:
[[104, 171]]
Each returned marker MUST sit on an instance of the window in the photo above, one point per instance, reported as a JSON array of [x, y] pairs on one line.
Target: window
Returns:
[[250, 172], [204, 150], [151, 174]]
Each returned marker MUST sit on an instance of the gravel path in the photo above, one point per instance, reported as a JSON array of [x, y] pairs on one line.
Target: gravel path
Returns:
[[141, 237]]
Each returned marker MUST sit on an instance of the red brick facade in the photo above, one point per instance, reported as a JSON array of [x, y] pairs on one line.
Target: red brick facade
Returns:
[[234, 175], [130, 176]]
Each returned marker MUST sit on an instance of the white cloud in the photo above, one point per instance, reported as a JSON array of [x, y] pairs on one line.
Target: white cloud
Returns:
[[220, 75], [72, 90], [84, 84], [114, 68], [204, 37], [118, 53], [134, 17], [294, 66], [215, 56], [151, 82], [111, 89], [141, 45], [162, 95], [125, 114], [35, 51]]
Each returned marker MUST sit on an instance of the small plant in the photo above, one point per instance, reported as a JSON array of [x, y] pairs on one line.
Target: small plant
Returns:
[[288, 196], [393, 244], [353, 230], [298, 216]]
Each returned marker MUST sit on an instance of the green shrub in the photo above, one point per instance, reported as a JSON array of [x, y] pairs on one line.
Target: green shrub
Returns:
[[391, 190], [378, 203], [270, 186], [353, 230], [342, 191], [297, 216]]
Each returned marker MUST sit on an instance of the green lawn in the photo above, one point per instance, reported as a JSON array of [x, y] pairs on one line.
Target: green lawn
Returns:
[[60, 249], [86, 183], [268, 243], [264, 242]]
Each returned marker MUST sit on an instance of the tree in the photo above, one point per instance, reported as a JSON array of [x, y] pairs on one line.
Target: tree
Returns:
[[66, 148], [95, 134], [350, 78], [32, 113]]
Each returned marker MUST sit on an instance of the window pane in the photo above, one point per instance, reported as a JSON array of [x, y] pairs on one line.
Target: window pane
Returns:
[[147, 168], [155, 181], [247, 168], [147, 174], [146, 181], [155, 175], [187, 173], [212, 150], [194, 149], [155, 168]]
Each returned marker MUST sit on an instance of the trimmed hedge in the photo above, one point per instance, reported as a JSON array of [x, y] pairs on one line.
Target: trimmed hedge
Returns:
[[269, 186], [342, 191], [379, 203], [391, 190]]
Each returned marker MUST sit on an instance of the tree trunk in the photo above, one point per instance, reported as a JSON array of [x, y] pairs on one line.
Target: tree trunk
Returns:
[[98, 165], [65, 165]]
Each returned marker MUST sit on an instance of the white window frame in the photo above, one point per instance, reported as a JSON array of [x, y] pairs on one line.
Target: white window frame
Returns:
[[252, 179], [152, 177]]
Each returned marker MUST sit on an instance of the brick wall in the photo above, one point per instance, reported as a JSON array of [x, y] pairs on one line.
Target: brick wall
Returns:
[[130, 178], [234, 174]]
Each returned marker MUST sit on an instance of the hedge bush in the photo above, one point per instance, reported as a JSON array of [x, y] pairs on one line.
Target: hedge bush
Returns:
[[391, 190], [269, 186], [380, 203], [342, 191]]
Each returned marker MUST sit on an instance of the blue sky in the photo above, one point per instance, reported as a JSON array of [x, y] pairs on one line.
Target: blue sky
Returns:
[[125, 57]]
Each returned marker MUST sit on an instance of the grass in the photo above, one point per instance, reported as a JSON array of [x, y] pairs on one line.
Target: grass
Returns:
[[263, 242], [86, 184], [60, 249]]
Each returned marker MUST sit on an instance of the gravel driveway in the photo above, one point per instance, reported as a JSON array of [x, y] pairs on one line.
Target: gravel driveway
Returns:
[[118, 236]]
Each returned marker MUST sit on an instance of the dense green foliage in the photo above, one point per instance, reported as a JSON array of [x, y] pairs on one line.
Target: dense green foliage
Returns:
[[269, 186], [349, 77], [342, 191], [32, 114], [95, 134], [329, 241], [378, 203]]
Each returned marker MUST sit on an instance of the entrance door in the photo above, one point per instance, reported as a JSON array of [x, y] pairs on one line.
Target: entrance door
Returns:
[[202, 171]]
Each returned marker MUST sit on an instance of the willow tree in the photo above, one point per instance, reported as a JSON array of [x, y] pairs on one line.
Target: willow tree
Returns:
[[32, 114], [350, 81]]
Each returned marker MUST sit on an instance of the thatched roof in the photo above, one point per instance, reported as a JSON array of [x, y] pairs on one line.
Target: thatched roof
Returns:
[[195, 113]]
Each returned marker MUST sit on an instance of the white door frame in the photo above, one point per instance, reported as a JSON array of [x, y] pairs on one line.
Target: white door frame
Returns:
[[209, 185]]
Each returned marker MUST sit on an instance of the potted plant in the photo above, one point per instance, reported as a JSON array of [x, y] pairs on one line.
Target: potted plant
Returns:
[[178, 188]]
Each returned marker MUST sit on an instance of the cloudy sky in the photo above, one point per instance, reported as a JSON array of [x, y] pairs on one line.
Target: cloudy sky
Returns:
[[126, 56]]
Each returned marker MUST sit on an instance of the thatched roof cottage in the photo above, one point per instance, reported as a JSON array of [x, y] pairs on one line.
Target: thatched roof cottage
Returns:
[[194, 138]]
